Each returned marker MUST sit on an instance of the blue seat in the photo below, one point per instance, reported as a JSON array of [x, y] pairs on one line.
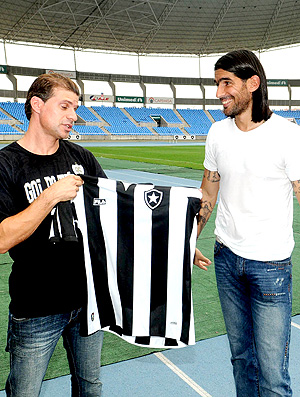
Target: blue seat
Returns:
[[197, 119]]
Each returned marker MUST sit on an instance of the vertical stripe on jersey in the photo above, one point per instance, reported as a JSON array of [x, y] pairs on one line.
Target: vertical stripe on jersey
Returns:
[[109, 223], [193, 241], [177, 221], [142, 263], [159, 265], [187, 269], [92, 326], [125, 252]]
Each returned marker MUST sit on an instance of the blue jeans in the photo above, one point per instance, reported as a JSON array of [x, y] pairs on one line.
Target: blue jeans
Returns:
[[256, 300], [31, 343]]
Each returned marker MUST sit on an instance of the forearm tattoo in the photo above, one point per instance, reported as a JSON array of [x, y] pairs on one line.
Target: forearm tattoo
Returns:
[[205, 213], [206, 205]]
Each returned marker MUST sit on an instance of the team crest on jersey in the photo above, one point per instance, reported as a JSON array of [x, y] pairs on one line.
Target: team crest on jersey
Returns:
[[77, 169], [153, 198]]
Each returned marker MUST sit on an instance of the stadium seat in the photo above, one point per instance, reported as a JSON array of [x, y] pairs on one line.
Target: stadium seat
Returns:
[[217, 114], [290, 114], [17, 111], [88, 130], [3, 116], [168, 131], [143, 115], [197, 119], [9, 130], [119, 122], [86, 114]]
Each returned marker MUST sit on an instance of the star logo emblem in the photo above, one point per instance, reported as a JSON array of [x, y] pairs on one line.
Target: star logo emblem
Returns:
[[153, 198]]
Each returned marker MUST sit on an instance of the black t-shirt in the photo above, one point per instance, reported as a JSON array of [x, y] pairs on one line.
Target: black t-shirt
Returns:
[[46, 278]]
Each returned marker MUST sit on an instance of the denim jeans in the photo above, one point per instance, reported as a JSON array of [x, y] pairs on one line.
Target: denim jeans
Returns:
[[256, 300], [31, 343]]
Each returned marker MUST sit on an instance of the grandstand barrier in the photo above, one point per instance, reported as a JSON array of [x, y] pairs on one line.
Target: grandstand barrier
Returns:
[[5, 137], [183, 137], [74, 137], [10, 137]]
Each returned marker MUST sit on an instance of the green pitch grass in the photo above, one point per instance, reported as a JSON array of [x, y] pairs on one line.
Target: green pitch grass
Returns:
[[191, 156]]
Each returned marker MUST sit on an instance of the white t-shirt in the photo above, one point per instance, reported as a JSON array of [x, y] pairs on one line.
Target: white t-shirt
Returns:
[[255, 210]]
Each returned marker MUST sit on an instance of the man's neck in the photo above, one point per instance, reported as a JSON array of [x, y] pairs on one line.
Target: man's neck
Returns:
[[37, 144], [244, 121]]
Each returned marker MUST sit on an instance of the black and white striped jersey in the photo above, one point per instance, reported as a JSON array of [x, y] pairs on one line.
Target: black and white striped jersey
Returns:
[[139, 245]]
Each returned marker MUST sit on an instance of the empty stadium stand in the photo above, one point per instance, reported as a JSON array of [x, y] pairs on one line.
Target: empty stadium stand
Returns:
[[108, 122], [86, 114], [290, 114], [197, 119], [168, 131], [3, 116], [15, 109], [9, 130], [88, 130], [23, 126], [17, 115], [217, 114], [148, 115], [119, 123]]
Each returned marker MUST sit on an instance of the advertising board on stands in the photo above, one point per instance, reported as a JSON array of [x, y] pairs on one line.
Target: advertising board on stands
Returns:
[[3, 69], [98, 98], [130, 99], [160, 100]]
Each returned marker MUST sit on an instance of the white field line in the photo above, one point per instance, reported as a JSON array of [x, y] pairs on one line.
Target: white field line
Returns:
[[182, 375], [295, 325]]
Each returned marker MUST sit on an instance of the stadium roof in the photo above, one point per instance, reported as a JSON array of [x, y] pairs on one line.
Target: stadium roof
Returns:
[[153, 26]]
